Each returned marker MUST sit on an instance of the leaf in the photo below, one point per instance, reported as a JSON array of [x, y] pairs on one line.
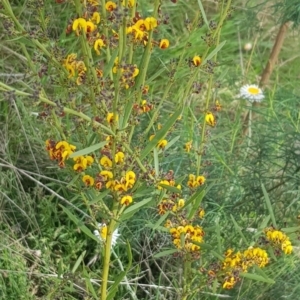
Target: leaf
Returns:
[[78, 261], [195, 196], [170, 188], [88, 149], [165, 253], [114, 288], [290, 229], [89, 285], [79, 223], [131, 210], [172, 142], [237, 227], [265, 222], [160, 220], [269, 205], [161, 133], [214, 52], [203, 13], [257, 277], [110, 64], [196, 204], [156, 164]]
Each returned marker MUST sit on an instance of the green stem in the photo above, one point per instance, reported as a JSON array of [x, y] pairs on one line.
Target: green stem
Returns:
[[105, 30], [81, 115], [106, 262], [20, 28], [209, 90], [146, 57]]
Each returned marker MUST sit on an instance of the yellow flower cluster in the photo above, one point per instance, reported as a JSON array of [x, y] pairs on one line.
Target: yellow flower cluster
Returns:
[[279, 240], [234, 263], [195, 182], [112, 118], [161, 144], [111, 6], [185, 236], [88, 180], [128, 73], [197, 60], [188, 146], [106, 178], [75, 68], [170, 205], [140, 28], [210, 119], [86, 26], [144, 107], [59, 151], [82, 162], [107, 163], [170, 182]]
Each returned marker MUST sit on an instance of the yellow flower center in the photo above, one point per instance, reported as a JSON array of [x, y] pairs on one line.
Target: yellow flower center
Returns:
[[103, 232], [253, 90]]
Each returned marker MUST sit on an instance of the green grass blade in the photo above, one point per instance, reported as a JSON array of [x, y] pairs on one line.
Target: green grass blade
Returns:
[[257, 277], [88, 150], [214, 52], [203, 14], [161, 133], [79, 223], [78, 261], [237, 227], [269, 205], [165, 253], [131, 210]]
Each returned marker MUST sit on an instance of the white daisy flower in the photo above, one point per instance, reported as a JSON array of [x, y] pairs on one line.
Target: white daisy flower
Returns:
[[102, 232], [252, 93]]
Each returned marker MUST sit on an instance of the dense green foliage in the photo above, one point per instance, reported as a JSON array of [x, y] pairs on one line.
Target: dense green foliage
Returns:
[[252, 179]]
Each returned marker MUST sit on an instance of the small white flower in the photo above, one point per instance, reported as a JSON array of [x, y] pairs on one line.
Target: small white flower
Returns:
[[247, 46], [102, 232], [252, 93]]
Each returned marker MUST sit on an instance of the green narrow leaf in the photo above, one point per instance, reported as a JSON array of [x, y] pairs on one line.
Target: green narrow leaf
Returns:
[[165, 253], [199, 193], [214, 52], [203, 13], [131, 210], [88, 149], [170, 188], [172, 142], [237, 227], [196, 204], [114, 288], [79, 223], [89, 284], [265, 222], [156, 165], [257, 277], [78, 261], [110, 64], [269, 205], [161, 133], [160, 220], [291, 229]]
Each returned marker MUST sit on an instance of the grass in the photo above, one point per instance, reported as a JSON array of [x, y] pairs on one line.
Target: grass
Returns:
[[41, 247]]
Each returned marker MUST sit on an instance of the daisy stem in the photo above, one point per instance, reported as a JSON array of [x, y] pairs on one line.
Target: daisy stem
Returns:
[[249, 130]]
